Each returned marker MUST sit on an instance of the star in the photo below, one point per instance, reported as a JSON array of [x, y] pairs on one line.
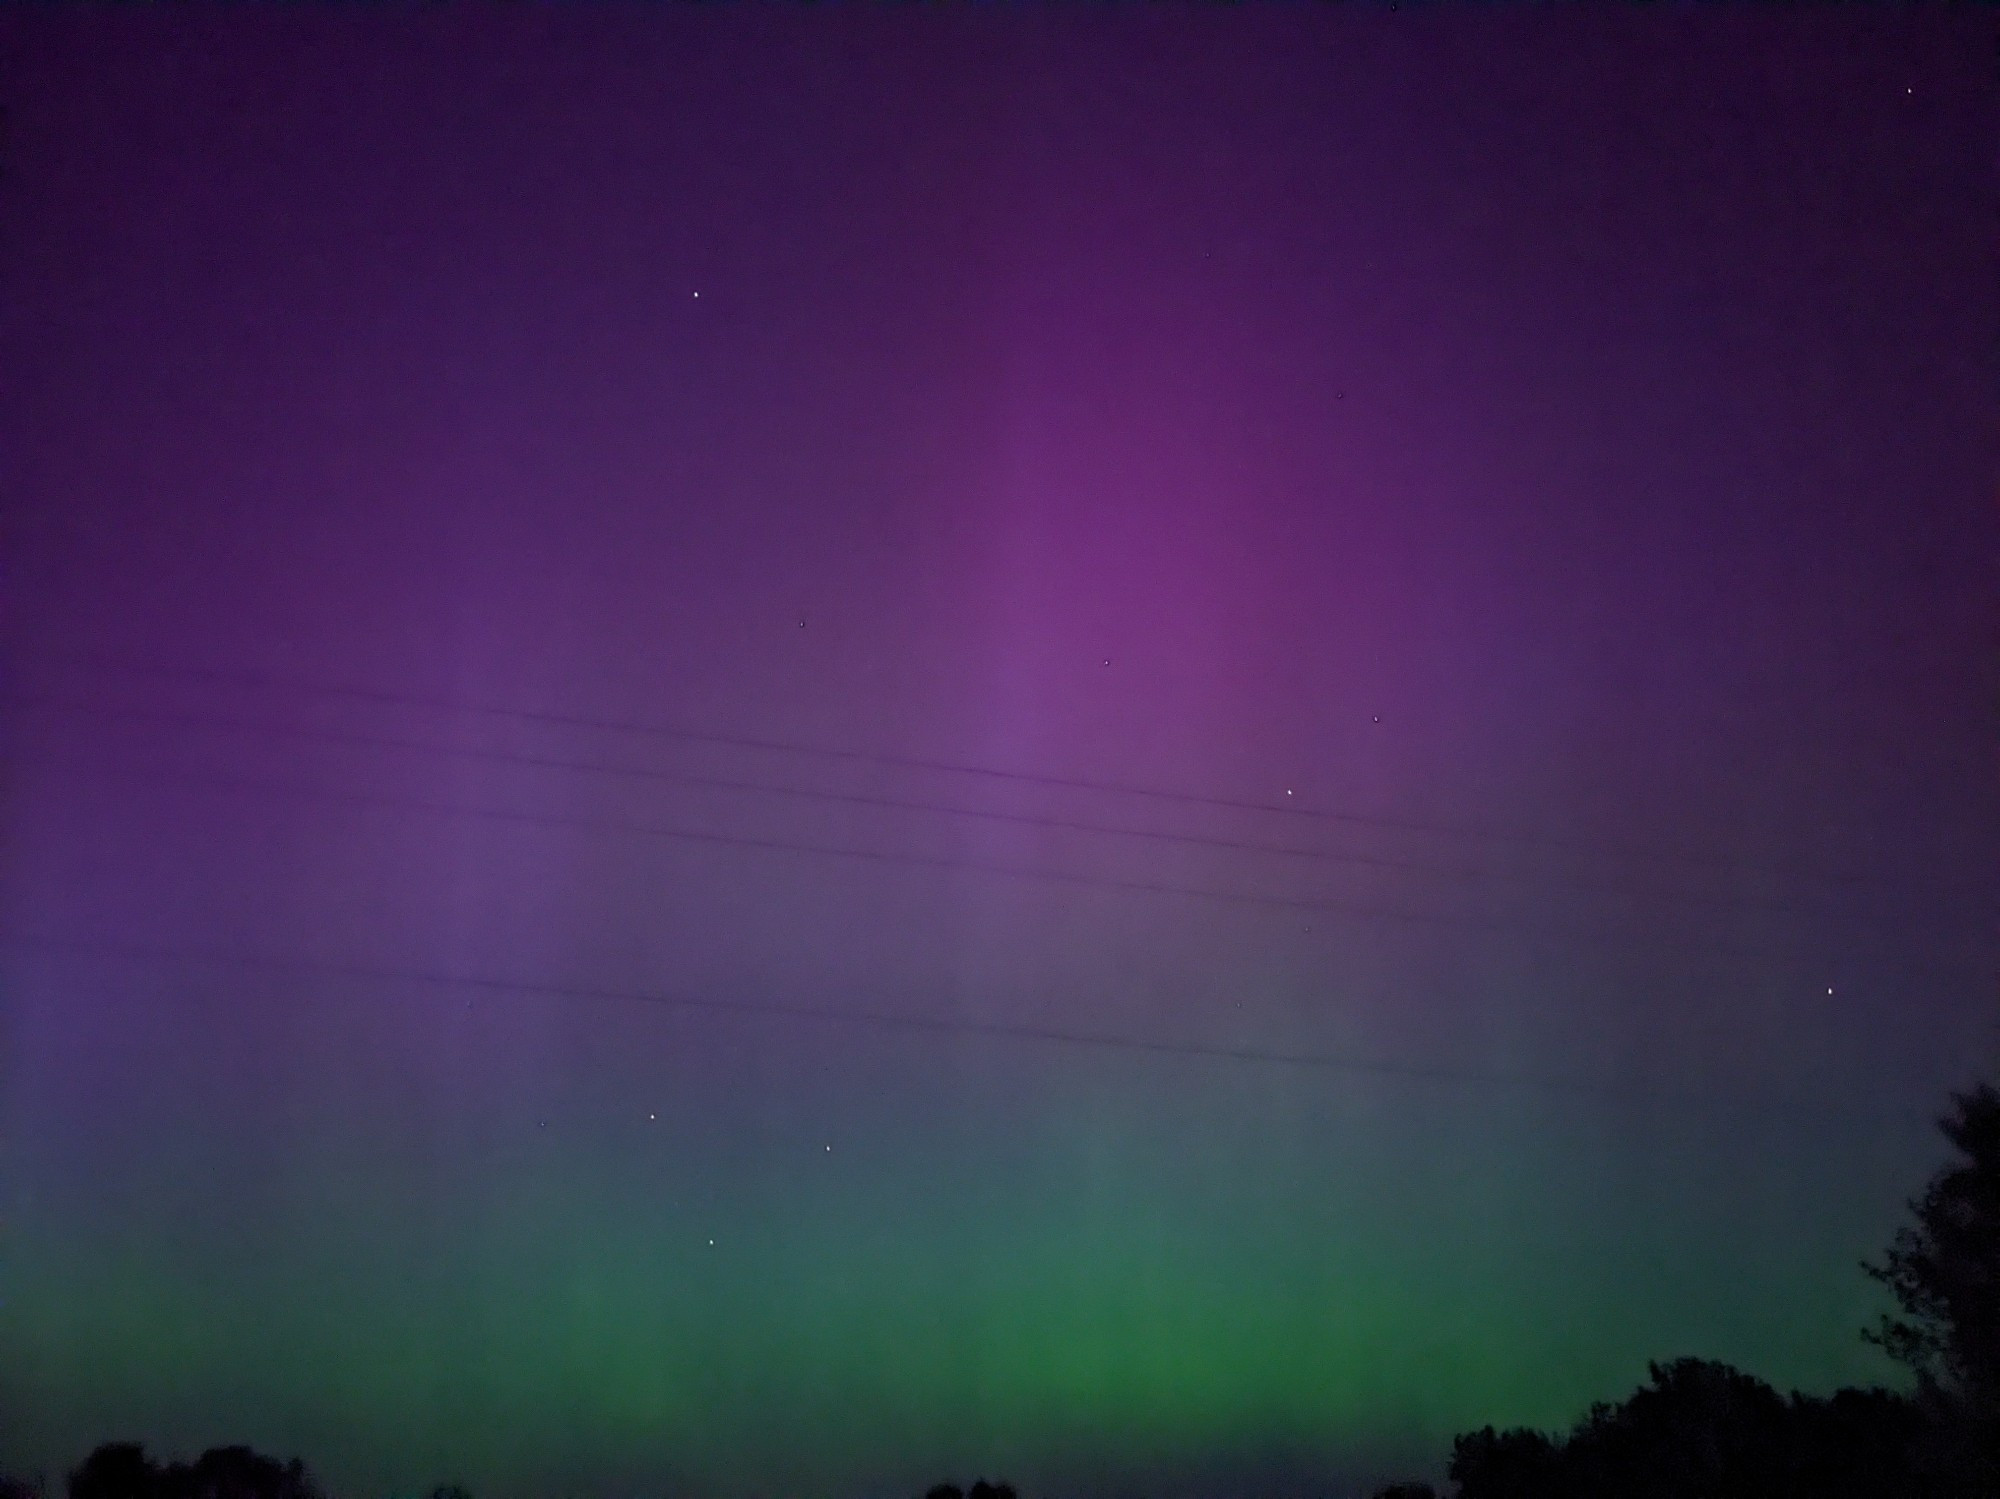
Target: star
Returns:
[[697, 296], [1288, 791], [652, 1116]]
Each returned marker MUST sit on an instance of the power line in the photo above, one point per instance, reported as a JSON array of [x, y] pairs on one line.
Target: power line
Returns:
[[270, 682], [228, 782], [904, 1021], [1426, 868], [205, 779]]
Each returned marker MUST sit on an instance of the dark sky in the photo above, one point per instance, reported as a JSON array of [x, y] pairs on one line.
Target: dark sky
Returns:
[[791, 750]]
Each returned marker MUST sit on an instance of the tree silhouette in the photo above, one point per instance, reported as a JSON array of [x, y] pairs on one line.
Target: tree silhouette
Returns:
[[1944, 1271], [1517, 1464], [237, 1473], [115, 1470], [981, 1489], [1699, 1428], [1705, 1429], [1858, 1442], [1702, 1430], [121, 1470]]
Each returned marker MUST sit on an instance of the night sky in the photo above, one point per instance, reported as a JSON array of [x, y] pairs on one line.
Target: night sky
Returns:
[[787, 752]]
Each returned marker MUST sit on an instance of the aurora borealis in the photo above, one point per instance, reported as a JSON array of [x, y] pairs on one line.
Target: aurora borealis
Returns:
[[785, 751]]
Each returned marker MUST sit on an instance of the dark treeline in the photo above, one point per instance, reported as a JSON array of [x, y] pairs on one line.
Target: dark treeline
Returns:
[[121, 1470], [1695, 1430], [1706, 1429], [1700, 1430]]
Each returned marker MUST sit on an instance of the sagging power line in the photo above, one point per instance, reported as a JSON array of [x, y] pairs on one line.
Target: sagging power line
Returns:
[[268, 682], [287, 964], [1430, 869], [201, 778]]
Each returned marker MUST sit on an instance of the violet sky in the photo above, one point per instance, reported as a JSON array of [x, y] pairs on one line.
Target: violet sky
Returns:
[[1466, 535]]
